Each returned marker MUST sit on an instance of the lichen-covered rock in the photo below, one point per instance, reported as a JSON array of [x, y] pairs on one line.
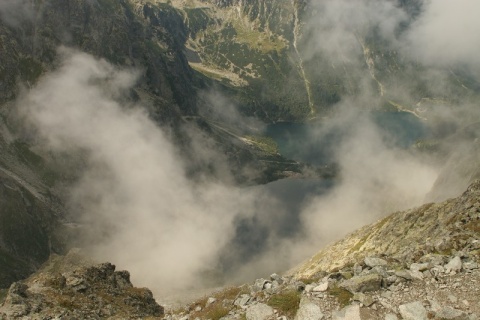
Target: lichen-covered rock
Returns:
[[449, 313], [413, 311], [454, 265], [374, 262], [92, 292], [259, 311], [348, 313], [308, 311], [370, 282]]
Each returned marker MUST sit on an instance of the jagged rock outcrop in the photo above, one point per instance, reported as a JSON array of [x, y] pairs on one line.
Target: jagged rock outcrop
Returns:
[[94, 292]]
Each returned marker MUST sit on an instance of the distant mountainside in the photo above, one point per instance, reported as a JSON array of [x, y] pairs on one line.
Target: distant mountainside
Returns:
[[266, 53]]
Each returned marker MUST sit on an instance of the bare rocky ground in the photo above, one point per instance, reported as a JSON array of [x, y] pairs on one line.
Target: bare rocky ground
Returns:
[[442, 287], [82, 292]]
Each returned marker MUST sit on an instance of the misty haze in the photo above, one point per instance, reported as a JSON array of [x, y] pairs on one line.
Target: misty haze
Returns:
[[204, 144]]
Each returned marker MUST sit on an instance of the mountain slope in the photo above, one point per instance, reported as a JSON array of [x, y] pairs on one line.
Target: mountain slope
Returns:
[[121, 32], [449, 226], [295, 60]]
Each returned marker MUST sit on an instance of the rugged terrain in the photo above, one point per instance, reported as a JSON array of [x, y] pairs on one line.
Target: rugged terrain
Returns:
[[422, 263], [68, 290]]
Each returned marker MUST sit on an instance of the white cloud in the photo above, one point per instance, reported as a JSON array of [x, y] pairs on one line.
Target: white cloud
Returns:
[[446, 33]]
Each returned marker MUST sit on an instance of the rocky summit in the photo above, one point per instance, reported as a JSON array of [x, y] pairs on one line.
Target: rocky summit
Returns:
[[94, 292]]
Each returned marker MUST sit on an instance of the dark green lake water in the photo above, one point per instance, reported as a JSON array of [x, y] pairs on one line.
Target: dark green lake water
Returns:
[[313, 143]]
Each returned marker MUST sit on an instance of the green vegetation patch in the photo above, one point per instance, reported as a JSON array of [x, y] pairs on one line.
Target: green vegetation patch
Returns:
[[214, 311], [231, 293], [258, 40], [315, 278], [286, 302], [343, 295], [217, 309], [266, 144]]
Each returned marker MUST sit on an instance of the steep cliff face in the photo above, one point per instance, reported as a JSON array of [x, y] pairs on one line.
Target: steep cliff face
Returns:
[[27, 229], [125, 34], [30, 213]]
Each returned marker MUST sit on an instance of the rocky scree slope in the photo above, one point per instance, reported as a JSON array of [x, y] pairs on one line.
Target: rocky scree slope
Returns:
[[436, 287], [417, 264], [452, 225]]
